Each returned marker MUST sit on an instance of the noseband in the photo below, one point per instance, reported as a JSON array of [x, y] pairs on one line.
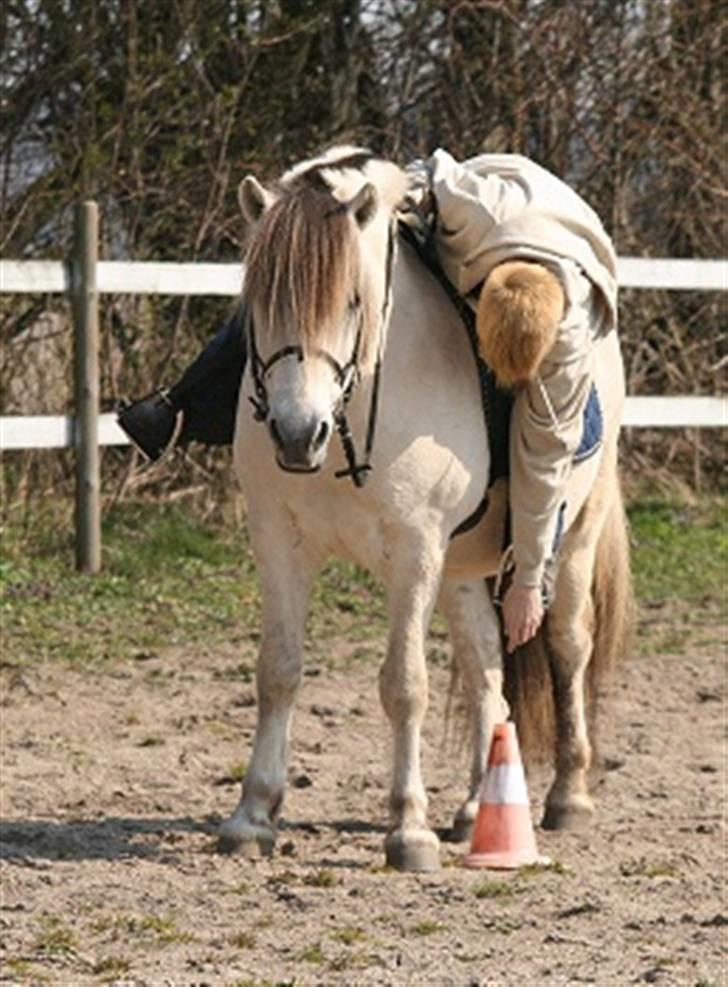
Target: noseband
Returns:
[[347, 376]]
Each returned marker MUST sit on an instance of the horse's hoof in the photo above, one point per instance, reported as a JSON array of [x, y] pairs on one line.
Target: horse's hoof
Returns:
[[461, 831], [575, 816], [247, 840], [463, 823], [413, 851]]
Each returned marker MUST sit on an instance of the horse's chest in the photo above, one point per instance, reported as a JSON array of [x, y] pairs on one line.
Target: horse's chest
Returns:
[[343, 524]]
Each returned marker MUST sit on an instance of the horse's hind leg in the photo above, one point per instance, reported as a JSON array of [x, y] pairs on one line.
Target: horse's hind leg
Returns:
[[570, 638], [588, 629], [412, 589], [286, 578], [478, 664]]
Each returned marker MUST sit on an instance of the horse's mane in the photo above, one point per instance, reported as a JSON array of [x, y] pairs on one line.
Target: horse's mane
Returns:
[[304, 261]]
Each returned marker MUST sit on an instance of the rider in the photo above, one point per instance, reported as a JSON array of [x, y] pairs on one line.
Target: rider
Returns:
[[533, 260]]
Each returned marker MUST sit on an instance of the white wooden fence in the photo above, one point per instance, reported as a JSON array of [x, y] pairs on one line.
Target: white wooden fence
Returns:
[[84, 278]]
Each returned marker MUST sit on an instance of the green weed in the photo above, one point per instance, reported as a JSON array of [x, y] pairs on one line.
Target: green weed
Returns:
[[20, 968], [236, 772], [427, 928], [312, 954], [320, 879], [350, 935], [242, 940], [54, 936], [354, 960], [645, 868], [111, 966], [534, 870], [495, 889], [159, 929]]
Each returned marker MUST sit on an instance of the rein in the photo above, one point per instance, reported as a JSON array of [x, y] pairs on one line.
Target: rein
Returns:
[[347, 376]]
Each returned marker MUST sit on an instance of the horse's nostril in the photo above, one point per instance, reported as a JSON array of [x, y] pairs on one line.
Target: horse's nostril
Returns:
[[322, 434]]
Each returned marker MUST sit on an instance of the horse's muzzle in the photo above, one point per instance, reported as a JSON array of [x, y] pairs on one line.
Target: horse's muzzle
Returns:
[[300, 448]]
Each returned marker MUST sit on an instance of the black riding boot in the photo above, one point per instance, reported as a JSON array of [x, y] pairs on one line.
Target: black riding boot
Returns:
[[205, 398]]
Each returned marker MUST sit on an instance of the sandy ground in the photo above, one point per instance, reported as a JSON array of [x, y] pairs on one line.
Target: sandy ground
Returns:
[[113, 782]]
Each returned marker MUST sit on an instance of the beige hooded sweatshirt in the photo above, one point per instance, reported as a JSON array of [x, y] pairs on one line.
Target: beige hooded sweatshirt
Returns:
[[499, 207]]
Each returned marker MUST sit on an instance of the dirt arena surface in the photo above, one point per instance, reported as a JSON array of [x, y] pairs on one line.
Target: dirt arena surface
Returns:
[[113, 781]]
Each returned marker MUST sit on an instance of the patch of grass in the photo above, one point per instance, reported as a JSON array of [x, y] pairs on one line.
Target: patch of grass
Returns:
[[495, 889], [506, 926], [287, 877], [679, 551], [320, 879], [170, 578], [20, 967], [347, 600], [162, 928], [111, 966], [350, 935], [242, 940], [354, 960], [159, 929], [102, 924], [167, 578], [645, 868], [535, 870], [54, 936], [679, 560], [312, 954], [427, 928], [242, 887], [237, 771]]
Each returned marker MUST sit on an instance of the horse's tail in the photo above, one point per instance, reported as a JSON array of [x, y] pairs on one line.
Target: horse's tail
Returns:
[[528, 672], [613, 601]]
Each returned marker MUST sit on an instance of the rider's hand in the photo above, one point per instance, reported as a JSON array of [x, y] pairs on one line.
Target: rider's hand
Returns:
[[522, 614]]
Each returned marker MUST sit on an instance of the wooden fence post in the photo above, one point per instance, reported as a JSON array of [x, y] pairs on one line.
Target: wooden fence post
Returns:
[[86, 363]]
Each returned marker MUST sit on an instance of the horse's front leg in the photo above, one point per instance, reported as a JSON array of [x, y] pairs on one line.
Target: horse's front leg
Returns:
[[478, 664], [286, 575], [412, 589]]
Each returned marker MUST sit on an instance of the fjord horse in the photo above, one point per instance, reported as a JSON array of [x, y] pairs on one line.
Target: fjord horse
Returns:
[[359, 370]]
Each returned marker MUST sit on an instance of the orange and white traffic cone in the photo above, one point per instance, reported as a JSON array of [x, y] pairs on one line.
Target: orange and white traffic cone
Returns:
[[503, 836]]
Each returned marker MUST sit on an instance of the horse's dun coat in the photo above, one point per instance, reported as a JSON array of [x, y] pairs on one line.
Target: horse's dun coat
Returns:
[[429, 467]]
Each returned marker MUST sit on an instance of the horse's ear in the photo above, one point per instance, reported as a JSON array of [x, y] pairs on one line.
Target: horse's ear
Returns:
[[253, 198], [364, 204]]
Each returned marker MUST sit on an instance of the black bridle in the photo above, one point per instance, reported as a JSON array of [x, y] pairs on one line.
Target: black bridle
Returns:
[[347, 376]]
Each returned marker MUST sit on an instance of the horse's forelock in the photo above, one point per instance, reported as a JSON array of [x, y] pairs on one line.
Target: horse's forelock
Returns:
[[303, 263]]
